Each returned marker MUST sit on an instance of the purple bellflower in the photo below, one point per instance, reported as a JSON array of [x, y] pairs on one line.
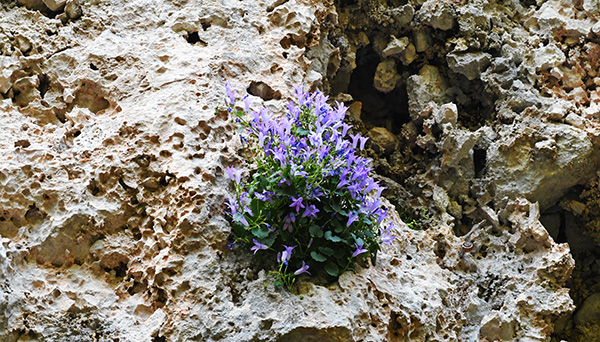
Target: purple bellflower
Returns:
[[297, 203], [234, 174], [257, 246], [311, 210], [352, 217], [230, 93], [285, 255], [287, 222], [303, 269], [359, 249]]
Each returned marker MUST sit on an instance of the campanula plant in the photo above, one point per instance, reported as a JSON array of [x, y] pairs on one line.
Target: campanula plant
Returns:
[[309, 202]]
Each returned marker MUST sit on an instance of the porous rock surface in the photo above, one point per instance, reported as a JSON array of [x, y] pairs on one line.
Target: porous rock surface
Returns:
[[112, 224]]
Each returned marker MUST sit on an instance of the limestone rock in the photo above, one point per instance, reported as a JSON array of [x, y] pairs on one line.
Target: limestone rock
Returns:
[[73, 9], [591, 6], [447, 113], [497, 327], [395, 46], [437, 14], [386, 76], [403, 14], [422, 39], [37, 5], [384, 138], [553, 174], [547, 57], [428, 86], [401, 49], [55, 5], [8, 65], [469, 64]]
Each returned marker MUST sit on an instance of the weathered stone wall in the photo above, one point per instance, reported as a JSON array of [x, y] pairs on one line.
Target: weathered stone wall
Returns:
[[112, 157]]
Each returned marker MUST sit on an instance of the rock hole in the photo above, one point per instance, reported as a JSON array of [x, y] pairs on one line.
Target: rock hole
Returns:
[[395, 328], [161, 298], [285, 42], [159, 339], [263, 90], [44, 84], [285, 55], [479, 161], [463, 226], [440, 249], [378, 109], [194, 39], [89, 95], [93, 66], [34, 214], [93, 187], [24, 143], [205, 23], [266, 324]]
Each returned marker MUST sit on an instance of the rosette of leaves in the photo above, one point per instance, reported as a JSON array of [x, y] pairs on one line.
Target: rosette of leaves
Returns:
[[309, 200]]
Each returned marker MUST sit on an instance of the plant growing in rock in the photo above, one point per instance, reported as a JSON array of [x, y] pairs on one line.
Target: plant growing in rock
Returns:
[[309, 200]]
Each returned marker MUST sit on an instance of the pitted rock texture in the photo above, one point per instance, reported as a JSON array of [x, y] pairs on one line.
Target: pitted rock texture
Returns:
[[112, 223]]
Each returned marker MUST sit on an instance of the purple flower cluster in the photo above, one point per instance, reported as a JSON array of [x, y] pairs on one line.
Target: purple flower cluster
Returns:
[[310, 188]]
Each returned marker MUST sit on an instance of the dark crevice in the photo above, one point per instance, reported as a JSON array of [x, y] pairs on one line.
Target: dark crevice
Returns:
[[159, 339], [378, 108], [194, 39], [476, 106], [479, 161], [575, 220], [44, 84]]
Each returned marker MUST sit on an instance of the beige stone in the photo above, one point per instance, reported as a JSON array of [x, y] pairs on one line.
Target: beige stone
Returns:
[[384, 138], [386, 76]]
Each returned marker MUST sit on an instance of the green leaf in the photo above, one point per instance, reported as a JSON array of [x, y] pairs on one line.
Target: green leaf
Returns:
[[335, 206], [332, 269], [302, 132], [331, 237], [337, 226], [326, 250], [287, 191], [260, 232], [315, 231], [317, 257], [269, 241], [239, 230], [341, 258], [328, 208]]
